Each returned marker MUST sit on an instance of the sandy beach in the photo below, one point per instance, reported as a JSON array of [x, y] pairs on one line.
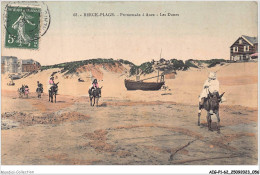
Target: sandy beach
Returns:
[[130, 127]]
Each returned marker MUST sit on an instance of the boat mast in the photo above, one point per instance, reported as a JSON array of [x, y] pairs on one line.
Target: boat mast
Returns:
[[158, 66], [137, 75]]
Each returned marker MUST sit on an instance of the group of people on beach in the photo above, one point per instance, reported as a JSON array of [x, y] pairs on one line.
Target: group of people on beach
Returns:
[[93, 86], [210, 85]]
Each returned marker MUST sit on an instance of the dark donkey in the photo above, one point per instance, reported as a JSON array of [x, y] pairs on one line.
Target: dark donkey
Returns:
[[53, 92], [211, 105], [39, 91], [96, 94]]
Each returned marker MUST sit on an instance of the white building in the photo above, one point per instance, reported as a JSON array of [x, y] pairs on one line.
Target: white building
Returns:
[[9, 64]]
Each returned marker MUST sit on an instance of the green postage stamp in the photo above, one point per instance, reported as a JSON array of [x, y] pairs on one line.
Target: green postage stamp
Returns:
[[22, 27]]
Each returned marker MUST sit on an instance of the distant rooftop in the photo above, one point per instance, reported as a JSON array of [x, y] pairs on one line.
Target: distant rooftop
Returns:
[[252, 40], [30, 61], [27, 61]]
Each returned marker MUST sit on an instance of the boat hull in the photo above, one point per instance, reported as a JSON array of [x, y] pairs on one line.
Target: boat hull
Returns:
[[145, 86]]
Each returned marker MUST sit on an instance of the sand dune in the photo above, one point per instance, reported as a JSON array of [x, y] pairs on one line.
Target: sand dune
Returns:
[[237, 80]]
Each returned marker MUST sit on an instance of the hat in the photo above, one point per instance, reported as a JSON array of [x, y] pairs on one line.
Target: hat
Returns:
[[212, 75]]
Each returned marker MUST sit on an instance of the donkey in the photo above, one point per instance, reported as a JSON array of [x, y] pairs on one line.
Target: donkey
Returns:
[[53, 92], [39, 92], [23, 91], [211, 105], [96, 94]]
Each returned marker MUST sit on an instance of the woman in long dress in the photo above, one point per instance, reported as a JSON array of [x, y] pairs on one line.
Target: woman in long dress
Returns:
[[19, 25]]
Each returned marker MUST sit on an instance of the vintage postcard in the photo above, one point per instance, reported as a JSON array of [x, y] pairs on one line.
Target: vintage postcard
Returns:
[[130, 83]]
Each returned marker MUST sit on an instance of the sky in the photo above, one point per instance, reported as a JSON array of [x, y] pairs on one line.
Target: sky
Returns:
[[203, 30]]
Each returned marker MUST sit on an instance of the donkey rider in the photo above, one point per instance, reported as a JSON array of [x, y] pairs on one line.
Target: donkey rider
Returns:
[[50, 83], [39, 85], [22, 88], [211, 85], [94, 85]]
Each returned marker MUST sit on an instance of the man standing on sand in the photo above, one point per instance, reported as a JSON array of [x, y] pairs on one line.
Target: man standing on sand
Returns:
[[210, 85]]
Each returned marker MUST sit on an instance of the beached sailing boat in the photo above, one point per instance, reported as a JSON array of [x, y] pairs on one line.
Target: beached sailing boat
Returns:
[[145, 86]]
